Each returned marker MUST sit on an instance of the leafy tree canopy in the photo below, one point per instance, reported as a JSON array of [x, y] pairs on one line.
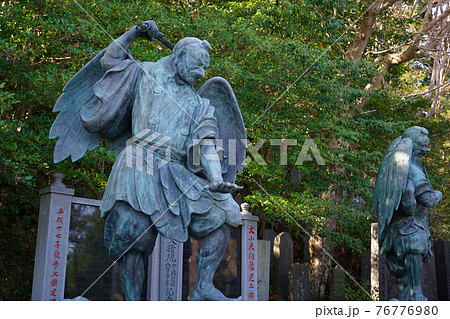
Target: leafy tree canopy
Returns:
[[300, 70]]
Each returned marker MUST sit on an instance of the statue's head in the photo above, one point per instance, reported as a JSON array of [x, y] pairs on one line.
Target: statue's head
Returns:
[[191, 58], [419, 137]]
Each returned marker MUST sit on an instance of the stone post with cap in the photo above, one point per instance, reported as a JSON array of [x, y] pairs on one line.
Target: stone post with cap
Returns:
[[52, 241], [249, 277]]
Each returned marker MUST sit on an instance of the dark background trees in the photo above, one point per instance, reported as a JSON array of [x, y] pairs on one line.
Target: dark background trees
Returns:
[[351, 75]]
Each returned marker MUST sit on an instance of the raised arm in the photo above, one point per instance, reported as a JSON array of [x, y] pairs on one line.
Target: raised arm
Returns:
[[118, 50]]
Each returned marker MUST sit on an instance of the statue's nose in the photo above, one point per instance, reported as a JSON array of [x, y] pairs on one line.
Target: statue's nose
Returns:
[[200, 73]]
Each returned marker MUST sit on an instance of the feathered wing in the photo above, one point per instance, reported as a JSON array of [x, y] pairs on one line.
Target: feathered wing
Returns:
[[97, 101], [73, 139], [231, 125], [391, 182]]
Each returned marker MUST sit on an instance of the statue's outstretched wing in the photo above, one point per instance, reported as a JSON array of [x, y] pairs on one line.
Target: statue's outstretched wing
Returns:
[[391, 182], [231, 125], [73, 139], [95, 104]]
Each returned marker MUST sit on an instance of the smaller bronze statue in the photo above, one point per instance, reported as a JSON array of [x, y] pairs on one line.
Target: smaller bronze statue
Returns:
[[404, 200]]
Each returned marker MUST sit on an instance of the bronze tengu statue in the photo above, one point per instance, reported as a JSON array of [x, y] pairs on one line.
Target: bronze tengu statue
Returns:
[[404, 200], [169, 138]]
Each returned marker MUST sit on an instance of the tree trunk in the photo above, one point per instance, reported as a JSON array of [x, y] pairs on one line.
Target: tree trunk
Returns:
[[320, 267], [356, 49]]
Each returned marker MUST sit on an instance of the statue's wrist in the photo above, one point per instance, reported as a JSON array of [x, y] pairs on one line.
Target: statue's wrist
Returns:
[[131, 35]]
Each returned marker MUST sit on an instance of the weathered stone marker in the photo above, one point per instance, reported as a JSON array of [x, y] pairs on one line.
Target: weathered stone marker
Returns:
[[337, 284], [283, 256], [270, 234], [383, 284], [263, 269], [299, 282], [165, 270]]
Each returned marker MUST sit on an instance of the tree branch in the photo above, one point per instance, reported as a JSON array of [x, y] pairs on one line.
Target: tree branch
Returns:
[[387, 5], [425, 93], [428, 26]]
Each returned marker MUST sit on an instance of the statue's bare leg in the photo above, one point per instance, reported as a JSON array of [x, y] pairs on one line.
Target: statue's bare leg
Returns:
[[211, 250], [397, 268], [131, 272], [130, 239], [403, 287], [413, 263]]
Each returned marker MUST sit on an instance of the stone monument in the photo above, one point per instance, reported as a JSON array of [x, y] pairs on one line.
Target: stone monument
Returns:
[[283, 257], [299, 282], [404, 200], [165, 271], [263, 270], [178, 151]]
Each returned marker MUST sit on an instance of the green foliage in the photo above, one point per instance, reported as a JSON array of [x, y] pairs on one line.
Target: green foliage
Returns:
[[289, 81], [347, 289]]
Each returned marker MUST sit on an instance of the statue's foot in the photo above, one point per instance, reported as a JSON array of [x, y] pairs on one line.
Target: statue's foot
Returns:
[[418, 296], [213, 294]]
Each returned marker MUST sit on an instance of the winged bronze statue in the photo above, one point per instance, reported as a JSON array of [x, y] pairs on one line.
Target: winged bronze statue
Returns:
[[404, 200], [178, 151]]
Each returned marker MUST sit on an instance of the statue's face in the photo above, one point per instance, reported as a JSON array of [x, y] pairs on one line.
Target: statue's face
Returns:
[[420, 145], [191, 66]]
